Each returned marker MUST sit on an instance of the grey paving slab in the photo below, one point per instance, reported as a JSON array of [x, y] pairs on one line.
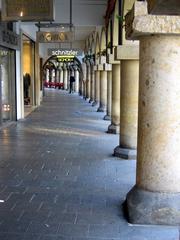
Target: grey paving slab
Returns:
[[59, 180]]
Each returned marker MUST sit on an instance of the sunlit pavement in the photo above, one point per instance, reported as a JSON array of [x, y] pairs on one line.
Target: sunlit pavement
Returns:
[[59, 179]]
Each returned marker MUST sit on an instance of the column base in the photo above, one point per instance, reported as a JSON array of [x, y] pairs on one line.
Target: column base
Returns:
[[145, 207], [107, 118], [113, 129], [125, 153], [95, 103], [101, 109], [87, 99]]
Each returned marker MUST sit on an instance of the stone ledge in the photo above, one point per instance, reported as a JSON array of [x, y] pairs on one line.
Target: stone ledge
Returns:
[[111, 59], [127, 52], [145, 207], [140, 23], [107, 67]]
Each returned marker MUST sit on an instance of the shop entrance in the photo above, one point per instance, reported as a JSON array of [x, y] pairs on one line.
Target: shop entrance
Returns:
[[28, 74], [8, 85]]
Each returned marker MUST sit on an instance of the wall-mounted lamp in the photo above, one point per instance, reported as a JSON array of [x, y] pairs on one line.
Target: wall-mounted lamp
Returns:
[[6, 107]]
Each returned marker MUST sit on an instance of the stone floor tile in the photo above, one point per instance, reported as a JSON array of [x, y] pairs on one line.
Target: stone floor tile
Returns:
[[59, 180], [104, 231], [43, 228], [76, 230]]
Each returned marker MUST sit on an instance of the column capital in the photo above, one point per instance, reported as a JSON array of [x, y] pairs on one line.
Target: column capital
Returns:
[[95, 67], [102, 59], [111, 59], [140, 23], [100, 67], [107, 67], [127, 52]]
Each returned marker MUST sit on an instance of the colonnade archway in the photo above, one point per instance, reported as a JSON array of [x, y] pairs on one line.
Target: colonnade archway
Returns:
[[56, 74]]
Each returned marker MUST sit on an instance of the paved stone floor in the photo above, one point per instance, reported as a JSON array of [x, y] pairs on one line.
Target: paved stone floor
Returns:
[[59, 181]]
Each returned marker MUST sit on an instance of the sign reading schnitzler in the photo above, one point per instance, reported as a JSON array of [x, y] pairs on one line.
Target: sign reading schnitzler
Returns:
[[64, 52], [28, 10]]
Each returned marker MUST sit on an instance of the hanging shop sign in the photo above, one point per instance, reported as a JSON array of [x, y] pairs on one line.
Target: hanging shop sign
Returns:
[[64, 55], [50, 37], [9, 39], [27, 10]]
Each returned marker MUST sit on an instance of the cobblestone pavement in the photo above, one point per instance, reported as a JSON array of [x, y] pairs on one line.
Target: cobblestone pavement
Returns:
[[59, 180]]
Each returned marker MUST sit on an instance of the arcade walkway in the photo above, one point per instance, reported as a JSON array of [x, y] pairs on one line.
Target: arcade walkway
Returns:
[[58, 180]]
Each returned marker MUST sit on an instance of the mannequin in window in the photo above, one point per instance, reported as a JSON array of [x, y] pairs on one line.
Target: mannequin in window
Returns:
[[27, 82]]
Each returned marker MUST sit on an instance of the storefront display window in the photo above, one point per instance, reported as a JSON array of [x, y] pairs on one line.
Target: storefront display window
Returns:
[[8, 83]]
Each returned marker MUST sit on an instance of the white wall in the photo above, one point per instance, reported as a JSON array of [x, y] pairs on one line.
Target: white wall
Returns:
[[29, 30]]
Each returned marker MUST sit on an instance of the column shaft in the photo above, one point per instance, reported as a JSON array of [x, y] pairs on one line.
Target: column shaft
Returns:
[[65, 75], [129, 110], [97, 88], [103, 91], [92, 84], [109, 95], [88, 83], [76, 81], [157, 190], [115, 112]]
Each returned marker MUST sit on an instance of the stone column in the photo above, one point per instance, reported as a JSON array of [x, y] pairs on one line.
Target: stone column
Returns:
[[57, 76], [88, 82], [68, 78], [80, 85], [83, 79], [129, 109], [115, 112], [76, 81], [92, 84], [61, 75], [103, 91], [155, 199], [129, 55], [97, 88], [108, 68], [65, 78], [84, 88]]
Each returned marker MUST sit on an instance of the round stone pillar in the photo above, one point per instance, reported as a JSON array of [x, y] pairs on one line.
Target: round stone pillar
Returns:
[[156, 197], [103, 91], [65, 78], [83, 79], [88, 83], [129, 110], [97, 88], [76, 81], [115, 112], [109, 95], [61, 75], [84, 89], [57, 76], [92, 84]]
